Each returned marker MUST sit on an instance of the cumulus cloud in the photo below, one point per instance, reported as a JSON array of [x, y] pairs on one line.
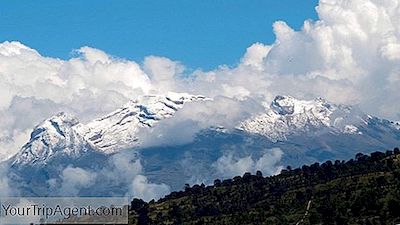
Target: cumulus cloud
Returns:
[[350, 52], [33, 87], [142, 188], [124, 169], [120, 174], [229, 166], [74, 179], [221, 111], [347, 56], [255, 55], [163, 72]]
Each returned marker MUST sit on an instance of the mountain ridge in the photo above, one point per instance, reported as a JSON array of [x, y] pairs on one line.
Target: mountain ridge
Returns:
[[287, 115], [70, 144], [52, 136], [108, 134]]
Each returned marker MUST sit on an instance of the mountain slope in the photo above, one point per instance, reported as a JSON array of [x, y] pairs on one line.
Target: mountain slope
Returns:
[[52, 137], [360, 191], [118, 129], [289, 116]]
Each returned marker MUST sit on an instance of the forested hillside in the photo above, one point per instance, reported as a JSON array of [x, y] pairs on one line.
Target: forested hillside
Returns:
[[363, 190]]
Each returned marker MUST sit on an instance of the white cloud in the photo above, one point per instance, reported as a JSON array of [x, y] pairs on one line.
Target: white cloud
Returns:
[[163, 72], [255, 55], [121, 174], [74, 179], [353, 46], [125, 168], [141, 188], [15, 141], [229, 166], [195, 116], [34, 87]]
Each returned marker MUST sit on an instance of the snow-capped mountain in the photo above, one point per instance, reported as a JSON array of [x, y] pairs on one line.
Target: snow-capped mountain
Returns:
[[118, 129], [305, 132], [286, 117], [289, 116], [53, 136], [63, 135]]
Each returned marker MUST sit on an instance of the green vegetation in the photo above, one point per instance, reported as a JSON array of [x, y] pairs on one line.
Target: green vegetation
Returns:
[[364, 190]]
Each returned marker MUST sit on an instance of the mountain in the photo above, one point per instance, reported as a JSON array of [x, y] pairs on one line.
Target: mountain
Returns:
[[62, 143], [50, 138], [290, 132], [364, 190], [63, 134], [288, 116], [304, 131], [118, 129]]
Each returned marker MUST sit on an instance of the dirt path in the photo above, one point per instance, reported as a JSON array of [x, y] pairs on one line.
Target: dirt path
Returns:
[[306, 213]]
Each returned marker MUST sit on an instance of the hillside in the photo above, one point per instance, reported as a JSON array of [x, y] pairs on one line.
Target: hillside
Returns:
[[364, 190]]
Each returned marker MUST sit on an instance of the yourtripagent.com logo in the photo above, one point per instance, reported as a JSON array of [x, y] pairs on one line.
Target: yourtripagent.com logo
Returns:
[[64, 210]]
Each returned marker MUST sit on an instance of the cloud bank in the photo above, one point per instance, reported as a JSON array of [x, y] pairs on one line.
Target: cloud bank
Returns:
[[229, 166], [350, 55], [121, 174]]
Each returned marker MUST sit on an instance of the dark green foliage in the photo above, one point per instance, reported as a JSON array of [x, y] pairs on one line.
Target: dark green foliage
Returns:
[[364, 190]]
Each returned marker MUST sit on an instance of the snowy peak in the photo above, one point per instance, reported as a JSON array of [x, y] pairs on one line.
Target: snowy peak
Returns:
[[287, 115], [152, 108], [62, 134], [287, 105], [58, 125], [119, 129], [53, 136], [283, 105]]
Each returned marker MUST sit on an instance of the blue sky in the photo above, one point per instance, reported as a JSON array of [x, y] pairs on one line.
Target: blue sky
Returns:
[[201, 34]]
